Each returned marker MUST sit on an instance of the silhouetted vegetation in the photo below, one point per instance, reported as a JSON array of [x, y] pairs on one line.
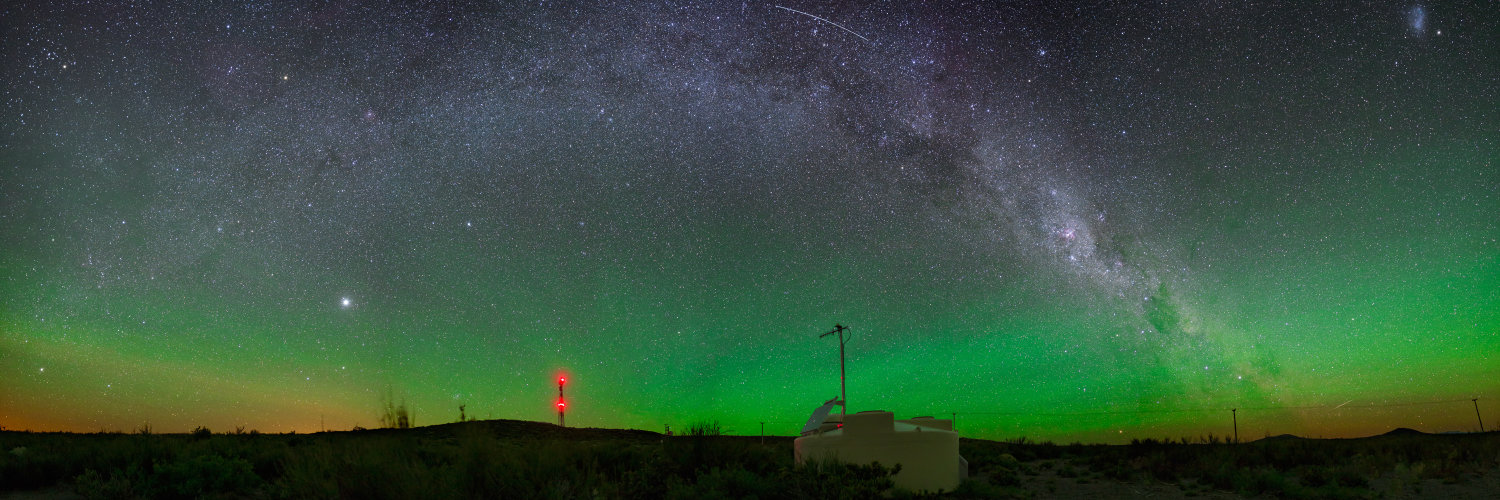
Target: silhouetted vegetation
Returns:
[[1284, 468], [705, 429], [492, 459], [511, 459], [396, 416]]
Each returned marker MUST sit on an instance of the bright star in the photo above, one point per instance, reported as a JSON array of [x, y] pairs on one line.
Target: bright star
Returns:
[[346, 303]]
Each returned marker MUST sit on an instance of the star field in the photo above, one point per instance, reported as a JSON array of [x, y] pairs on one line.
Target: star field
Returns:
[[1092, 221]]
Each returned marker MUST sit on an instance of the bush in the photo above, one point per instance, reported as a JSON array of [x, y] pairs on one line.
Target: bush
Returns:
[[95, 486], [201, 475], [838, 480], [701, 429]]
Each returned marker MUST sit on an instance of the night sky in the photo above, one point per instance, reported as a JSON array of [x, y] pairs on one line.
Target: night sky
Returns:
[[1094, 222]]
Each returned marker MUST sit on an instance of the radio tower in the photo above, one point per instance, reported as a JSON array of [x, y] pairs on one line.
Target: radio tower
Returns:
[[561, 403]]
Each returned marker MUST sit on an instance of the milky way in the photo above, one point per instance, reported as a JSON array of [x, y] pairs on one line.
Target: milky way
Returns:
[[1090, 222]]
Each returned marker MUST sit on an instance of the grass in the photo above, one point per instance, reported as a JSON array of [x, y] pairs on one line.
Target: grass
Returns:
[[510, 459]]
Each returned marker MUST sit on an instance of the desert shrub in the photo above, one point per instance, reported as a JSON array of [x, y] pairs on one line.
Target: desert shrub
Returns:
[[1349, 476], [1004, 476], [724, 483], [1314, 476], [396, 416], [1125, 472], [34, 466], [1261, 480], [691, 455], [486, 469], [646, 479], [1008, 461], [700, 429], [838, 480], [116, 486], [265, 456], [1221, 477], [39, 460], [203, 475], [309, 475], [375, 467]]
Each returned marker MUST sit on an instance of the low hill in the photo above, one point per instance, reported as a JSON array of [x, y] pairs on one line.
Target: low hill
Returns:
[[1403, 431], [516, 429]]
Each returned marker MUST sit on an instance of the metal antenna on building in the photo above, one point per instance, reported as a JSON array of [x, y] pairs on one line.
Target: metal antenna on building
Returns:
[[843, 395]]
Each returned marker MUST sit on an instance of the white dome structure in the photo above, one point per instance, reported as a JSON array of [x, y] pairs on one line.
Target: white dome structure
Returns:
[[926, 447]]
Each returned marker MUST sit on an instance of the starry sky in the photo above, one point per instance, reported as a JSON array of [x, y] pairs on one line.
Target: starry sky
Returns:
[[1094, 221]]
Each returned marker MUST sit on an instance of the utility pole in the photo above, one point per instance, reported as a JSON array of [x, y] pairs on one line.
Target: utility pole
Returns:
[[1234, 414], [561, 404], [843, 395], [762, 433], [1476, 413]]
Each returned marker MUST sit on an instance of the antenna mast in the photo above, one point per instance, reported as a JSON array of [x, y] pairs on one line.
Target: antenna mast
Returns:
[[843, 395], [561, 403]]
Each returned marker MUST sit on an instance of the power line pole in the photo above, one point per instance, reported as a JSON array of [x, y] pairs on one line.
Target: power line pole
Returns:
[[762, 433], [843, 395], [1476, 413], [1234, 414]]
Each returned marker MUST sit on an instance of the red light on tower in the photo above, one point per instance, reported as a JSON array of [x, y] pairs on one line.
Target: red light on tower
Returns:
[[561, 402]]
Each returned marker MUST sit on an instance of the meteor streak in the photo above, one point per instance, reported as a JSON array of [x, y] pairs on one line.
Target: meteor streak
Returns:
[[840, 26]]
